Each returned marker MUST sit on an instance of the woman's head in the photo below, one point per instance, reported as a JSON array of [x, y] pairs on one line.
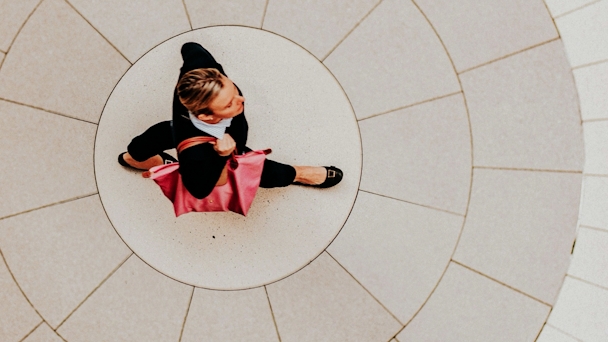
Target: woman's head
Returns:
[[209, 95]]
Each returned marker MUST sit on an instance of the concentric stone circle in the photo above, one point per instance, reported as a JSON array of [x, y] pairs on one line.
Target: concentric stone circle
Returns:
[[293, 105], [474, 216]]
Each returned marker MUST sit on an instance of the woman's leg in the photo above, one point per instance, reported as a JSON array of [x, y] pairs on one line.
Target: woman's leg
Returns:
[[276, 174], [143, 151]]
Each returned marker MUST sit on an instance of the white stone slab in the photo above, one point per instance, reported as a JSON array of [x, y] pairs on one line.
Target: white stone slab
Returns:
[[324, 303], [581, 311], [226, 12], [475, 32], [61, 59], [517, 119], [60, 151], [585, 34], [230, 316], [550, 334], [17, 317], [590, 259], [595, 202], [559, 7], [294, 106], [469, 307], [13, 14], [391, 60], [420, 154], [61, 253], [520, 228], [135, 26], [43, 334], [596, 147], [316, 25], [396, 250], [592, 85], [135, 304]]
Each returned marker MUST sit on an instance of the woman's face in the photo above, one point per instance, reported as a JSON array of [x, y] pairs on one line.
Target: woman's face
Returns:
[[227, 104]]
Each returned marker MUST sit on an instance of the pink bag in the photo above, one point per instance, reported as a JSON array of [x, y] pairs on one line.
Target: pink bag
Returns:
[[244, 172]]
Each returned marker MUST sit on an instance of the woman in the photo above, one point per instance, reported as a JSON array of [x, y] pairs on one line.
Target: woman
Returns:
[[207, 103]]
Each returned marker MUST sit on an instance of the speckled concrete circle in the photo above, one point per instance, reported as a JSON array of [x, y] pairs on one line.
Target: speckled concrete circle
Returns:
[[294, 106]]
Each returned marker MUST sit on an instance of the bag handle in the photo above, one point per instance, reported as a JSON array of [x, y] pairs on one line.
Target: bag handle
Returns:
[[193, 142]]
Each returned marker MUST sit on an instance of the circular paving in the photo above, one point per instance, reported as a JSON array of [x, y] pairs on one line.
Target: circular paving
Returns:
[[462, 154], [293, 105]]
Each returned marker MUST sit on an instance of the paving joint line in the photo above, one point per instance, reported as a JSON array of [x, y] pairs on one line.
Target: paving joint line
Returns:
[[411, 105], [264, 14], [19, 287], [501, 283], [181, 333], [594, 120], [46, 110], [602, 61], [593, 228], [94, 290], [98, 32], [322, 60], [598, 175], [564, 332], [31, 331], [413, 203], [18, 32], [510, 55], [525, 169], [274, 320], [364, 288], [587, 282], [191, 27], [47, 206], [576, 9]]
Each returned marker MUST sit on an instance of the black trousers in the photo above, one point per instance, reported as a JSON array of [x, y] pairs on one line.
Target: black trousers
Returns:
[[159, 138]]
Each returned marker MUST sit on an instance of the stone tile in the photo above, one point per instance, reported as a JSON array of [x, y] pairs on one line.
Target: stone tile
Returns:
[[585, 34], [61, 253], [467, 306], [316, 25], [398, 61], [590, 260], [230, 316], [520, 228], [596, 147], [592, 85], [135, 304], [595, 202], [323, 303], [14, 14], [420, 154], [520, 122], [582, 311], [17, 317], [398, 251], [62, 153], [228, 12], [304, 116], [559, 7], [136, 26], [550, 334], [43, 334], [59, 57], [476, 32]]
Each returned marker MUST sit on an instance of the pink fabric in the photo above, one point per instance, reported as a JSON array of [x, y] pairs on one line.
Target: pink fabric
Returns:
[[244, 172]]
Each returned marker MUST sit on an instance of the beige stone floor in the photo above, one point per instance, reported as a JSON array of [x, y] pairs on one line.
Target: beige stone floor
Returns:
[[484, 135]]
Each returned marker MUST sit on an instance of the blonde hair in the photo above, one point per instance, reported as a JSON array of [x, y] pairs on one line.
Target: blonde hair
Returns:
[[197, 88]]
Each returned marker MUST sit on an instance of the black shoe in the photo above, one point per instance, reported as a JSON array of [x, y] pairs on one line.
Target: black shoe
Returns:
[[167, 159], [333, 177]]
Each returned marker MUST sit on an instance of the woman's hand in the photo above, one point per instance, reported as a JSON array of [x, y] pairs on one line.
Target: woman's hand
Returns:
[[224, 146]]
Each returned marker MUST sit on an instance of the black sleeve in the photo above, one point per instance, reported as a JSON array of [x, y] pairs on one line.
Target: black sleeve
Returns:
[[195, 57], [200, 167]]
